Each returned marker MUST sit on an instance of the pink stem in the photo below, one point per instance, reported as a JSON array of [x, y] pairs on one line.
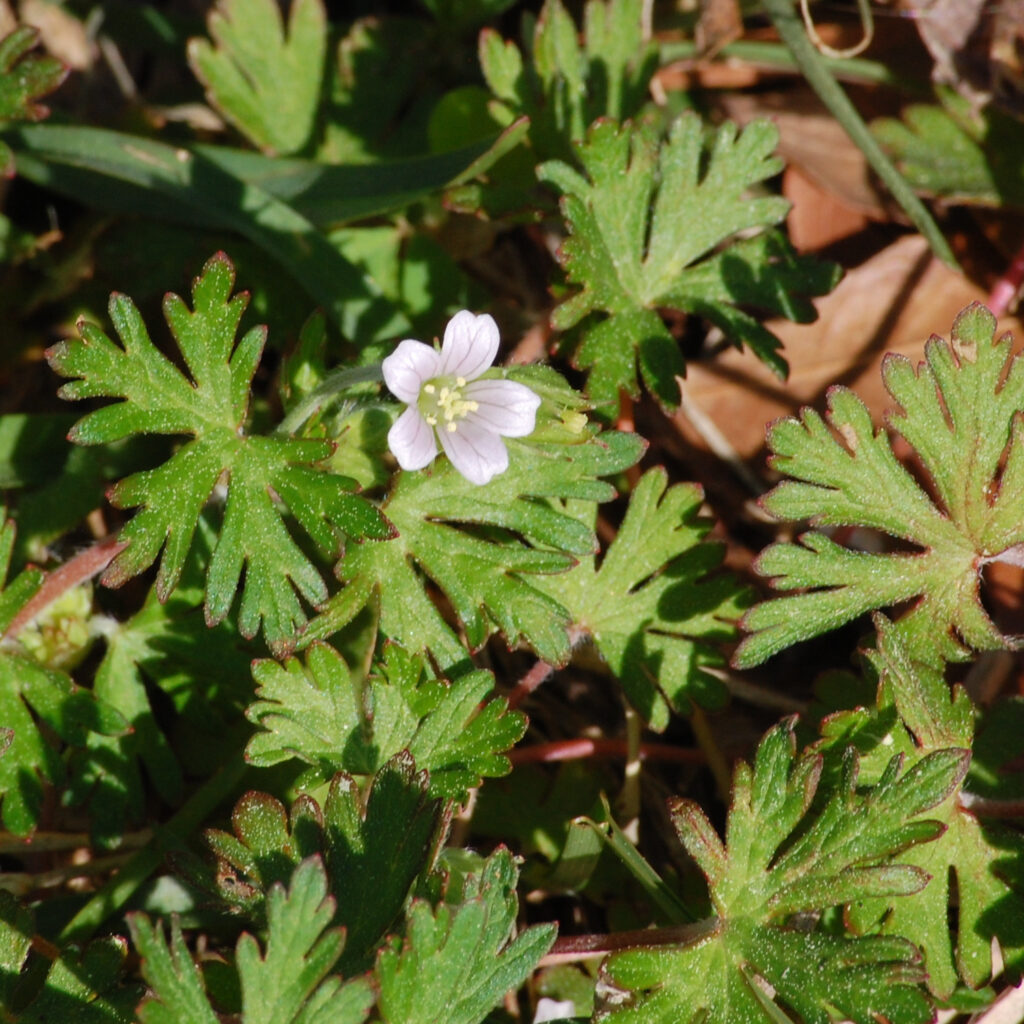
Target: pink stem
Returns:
[[1006, 288], [86, 564], [574, 750]]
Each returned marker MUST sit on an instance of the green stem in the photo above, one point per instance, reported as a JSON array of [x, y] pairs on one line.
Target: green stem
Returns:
[[812, 64], [766, 54], [333, 384], [119, 889]]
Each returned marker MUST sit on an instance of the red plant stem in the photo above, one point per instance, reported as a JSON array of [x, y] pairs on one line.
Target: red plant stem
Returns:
[[575, 947], [86, 564], [984, 807], [574, 750], [1006, 288], [539, 673]]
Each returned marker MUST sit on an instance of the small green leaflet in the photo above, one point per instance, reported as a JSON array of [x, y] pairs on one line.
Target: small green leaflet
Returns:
[[650, 611], [647, 223], [264, 474], [483, 546], [960, 154], [458, 960], [80, 985], [31, 691], [24, 78], [267, 82], [959, 410], [777, 862], [289, 982], [319, 713]]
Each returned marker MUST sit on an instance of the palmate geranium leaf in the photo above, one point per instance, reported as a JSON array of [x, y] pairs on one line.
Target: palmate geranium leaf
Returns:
[[374, 848], [974, 865], [80, 985], [320, 714], [266, 79], [647, 221], [457, 961], [265, 475], [960, 412], [32, 694], [781, 858], [648, 608], [24, 78], [484, 545], [290, 981]]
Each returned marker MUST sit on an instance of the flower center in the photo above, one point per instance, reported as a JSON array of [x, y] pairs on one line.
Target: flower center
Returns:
[[441, 402]]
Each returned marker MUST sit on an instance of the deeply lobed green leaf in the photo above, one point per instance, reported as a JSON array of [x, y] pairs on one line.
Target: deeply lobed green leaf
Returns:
[[290, 982], [783, 858], [649, 608], [319, 713], [266, 79], [645, 219], [265, 475], [457, 961], [483, 546], [959, 411]]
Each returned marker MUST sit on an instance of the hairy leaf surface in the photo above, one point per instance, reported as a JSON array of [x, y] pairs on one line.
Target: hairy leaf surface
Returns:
[[647, 223], [778, 860], [648, 608], [458, 960], [265, 475], [319, 713], [959, 411]]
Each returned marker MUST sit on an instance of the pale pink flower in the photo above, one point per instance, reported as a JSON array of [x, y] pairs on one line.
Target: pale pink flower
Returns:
[[447, 402]]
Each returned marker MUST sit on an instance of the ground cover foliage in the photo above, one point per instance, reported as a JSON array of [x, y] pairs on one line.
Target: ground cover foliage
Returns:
[[291, 733]]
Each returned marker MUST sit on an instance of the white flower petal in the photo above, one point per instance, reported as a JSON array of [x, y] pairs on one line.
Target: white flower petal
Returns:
[[476, 453], [411, 440], [408, 367], [470, 345], [503, 405]]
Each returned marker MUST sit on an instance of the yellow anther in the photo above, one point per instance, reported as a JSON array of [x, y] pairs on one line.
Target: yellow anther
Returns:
[[460, 382], [432, 421], [429, 388], [452, 427]]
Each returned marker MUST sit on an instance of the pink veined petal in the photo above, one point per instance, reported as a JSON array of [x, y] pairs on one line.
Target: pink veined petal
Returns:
[[406, 369], [476, 453], [411, 440], [470, 345], [504, 406]]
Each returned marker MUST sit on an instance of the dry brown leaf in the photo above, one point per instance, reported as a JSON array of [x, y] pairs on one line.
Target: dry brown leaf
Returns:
[[62, 34], [818, 217], [891, 303]]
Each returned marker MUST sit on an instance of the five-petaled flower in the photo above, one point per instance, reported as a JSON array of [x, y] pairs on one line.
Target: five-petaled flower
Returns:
[[448, 403]]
